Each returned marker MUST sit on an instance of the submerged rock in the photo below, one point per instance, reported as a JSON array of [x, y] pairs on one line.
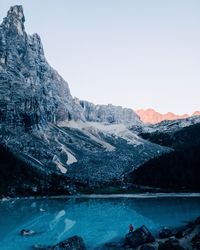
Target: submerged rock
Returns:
[[73, 243], [140, 236], [165, 233], [26, 232], [148, 247]]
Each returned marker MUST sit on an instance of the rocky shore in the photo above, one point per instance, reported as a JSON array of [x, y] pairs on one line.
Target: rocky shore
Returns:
[[185, 238]]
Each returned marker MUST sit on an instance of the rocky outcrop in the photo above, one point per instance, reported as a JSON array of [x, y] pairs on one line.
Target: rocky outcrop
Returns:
[[139, 237], [184, 238]]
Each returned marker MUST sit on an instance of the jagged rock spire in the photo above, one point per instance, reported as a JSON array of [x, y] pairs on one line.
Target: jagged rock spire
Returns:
[[15, 19]]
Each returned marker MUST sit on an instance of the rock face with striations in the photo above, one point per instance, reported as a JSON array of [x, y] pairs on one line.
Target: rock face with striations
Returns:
[[110, 114], [61, 139], [32, 93]]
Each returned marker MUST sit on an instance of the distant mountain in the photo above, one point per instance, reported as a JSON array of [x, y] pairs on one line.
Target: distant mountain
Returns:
[[196, 113], [151, 116]]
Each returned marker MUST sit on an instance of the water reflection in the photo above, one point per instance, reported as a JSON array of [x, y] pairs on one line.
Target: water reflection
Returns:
[[96, 220]]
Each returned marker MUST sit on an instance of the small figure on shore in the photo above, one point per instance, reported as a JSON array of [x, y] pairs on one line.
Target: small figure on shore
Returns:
[[25, 232], [130, 228]]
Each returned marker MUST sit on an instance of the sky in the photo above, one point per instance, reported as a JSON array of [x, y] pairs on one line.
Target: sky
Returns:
[[133, 53]]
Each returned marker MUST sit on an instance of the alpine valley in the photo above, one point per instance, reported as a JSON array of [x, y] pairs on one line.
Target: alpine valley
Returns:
[[53, 144]]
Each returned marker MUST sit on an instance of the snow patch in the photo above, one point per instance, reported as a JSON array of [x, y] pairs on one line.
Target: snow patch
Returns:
[[59, 165], [71, 159]]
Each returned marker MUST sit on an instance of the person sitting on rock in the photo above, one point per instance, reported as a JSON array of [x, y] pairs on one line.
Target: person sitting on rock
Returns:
[[130, 228], [25, 232]]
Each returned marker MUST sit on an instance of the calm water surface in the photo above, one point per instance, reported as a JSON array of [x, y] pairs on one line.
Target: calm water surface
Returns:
[[97, 220]]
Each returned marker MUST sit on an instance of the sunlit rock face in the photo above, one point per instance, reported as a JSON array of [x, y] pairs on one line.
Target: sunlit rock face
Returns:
[[152, 117], [196, 113]]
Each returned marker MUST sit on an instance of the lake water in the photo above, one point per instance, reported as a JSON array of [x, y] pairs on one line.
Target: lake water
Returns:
[[97, 220]]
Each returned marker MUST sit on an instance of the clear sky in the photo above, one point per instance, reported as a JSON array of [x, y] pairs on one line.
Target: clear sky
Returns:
[[134, 53]]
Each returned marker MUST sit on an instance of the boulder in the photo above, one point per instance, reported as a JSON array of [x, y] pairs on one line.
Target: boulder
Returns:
[[112, 246], [170, 244], [139, 237], [147, 247], [165, 233], [73, 243], [196, 241]]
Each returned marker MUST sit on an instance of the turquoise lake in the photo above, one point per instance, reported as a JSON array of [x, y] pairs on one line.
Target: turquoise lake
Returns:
[[97, 220]]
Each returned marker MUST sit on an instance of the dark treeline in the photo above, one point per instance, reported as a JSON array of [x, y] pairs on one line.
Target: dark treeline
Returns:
[[179, 169], [175, 170], [186, 137]]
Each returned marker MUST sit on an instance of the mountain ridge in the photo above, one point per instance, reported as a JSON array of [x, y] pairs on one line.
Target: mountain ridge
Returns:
[[151, 116]]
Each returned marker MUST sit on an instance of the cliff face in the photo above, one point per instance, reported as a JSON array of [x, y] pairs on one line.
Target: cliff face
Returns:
[[31, 92], [110, 114]]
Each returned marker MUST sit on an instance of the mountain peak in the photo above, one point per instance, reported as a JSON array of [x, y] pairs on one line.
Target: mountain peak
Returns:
[[16, 11], [15, 19]]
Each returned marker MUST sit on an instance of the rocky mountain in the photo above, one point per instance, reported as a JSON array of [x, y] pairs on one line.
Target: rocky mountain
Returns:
[[110, 114], [57, 140], [152, 117]]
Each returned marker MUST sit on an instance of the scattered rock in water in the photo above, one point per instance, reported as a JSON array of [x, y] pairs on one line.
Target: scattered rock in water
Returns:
[[27, 232], [73, 243], [170, 244], [139, 237], [165, 233]]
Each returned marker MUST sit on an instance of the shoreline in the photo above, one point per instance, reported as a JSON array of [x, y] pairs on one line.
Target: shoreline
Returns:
[[108, 196]]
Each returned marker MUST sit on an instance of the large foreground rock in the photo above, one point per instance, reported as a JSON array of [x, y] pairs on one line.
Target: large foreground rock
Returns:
[[73, 243], [140, 236]]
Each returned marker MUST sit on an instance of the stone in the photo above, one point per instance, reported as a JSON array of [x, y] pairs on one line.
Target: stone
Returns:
[[148, 247], [73, 243], [140, 236], [25, 232], [165, 233], [196, 241], [170, 244]]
